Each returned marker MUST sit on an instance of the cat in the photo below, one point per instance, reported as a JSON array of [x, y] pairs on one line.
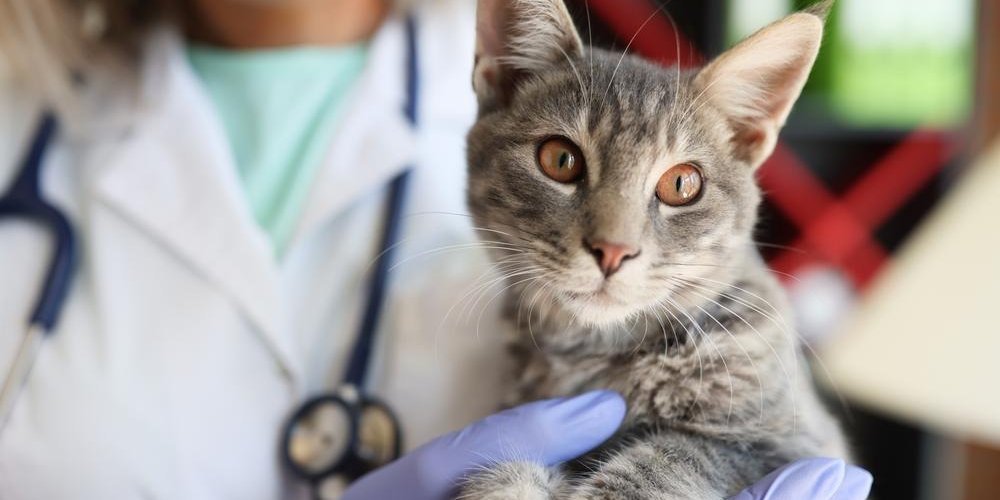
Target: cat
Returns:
[[619, 198]]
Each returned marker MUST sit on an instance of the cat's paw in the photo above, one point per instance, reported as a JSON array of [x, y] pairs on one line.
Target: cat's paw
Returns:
[[511, 481]]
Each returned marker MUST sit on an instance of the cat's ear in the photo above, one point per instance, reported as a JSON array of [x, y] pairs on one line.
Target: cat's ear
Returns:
[[516, 39], [756, 82]]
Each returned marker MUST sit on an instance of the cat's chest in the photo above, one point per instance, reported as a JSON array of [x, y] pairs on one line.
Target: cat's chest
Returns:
[[657, 385], [556, 362], [545, 375]]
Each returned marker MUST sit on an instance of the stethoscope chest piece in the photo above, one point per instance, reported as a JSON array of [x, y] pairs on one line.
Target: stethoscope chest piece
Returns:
[[339, 437]]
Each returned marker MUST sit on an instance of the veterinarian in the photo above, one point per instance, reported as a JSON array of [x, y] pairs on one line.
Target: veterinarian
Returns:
[[225, 173]]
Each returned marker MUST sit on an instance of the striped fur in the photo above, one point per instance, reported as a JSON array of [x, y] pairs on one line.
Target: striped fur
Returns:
[[694, 331]]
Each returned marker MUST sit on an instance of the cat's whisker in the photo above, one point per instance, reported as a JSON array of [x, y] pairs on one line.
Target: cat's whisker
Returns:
[[590, 41], [673, 332], [534, 277], [779, 322], [645, 331], [765, 244], [501, 275], [468, 293], [624, 54], [479, 244], [722, 357], [479, 228], [677, 43], [547, 296], [677, 342], [781, 365], [753, 364], [694, 342], [687, 281], [663, 329], [664, 264], [503, 269], [531, 307], [468, 311], [687, 112], [583, 91], [454, 248], [458, 214]]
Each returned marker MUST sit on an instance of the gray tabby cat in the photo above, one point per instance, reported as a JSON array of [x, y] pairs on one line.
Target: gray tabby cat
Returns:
[[624, 195]]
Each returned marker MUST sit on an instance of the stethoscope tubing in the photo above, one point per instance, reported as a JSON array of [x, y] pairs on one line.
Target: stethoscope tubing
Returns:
[[358, 364], [24, 200], [357, 367], [20, 369], [350, 396]]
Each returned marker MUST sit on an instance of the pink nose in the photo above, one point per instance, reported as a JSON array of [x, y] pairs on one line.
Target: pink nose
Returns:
[[610, 256]]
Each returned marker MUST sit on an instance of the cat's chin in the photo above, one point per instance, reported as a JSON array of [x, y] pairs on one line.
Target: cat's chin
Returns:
[[599, 309]]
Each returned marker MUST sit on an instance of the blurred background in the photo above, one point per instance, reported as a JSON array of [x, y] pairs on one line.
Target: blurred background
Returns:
[[881, 218]]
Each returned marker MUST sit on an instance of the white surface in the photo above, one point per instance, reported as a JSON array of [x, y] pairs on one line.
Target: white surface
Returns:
[[925, 345]]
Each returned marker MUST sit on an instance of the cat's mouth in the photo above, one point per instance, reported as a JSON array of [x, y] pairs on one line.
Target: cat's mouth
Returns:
[[603, 292]]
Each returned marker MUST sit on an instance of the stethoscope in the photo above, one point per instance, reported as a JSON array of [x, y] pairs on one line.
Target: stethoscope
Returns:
[[24, 200], [335, 438], [332, 438]]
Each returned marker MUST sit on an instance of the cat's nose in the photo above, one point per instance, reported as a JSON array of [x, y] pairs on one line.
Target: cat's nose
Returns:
[[610, 256]]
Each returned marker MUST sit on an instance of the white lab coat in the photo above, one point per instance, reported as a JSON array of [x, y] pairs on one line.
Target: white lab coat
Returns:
[[185, 343]]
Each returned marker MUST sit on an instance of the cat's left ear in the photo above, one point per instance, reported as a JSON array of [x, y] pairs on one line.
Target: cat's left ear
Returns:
[[756, 82], [516, 39]]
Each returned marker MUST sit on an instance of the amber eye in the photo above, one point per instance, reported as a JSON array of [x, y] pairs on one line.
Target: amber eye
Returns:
[[680, 185], [561, 160]]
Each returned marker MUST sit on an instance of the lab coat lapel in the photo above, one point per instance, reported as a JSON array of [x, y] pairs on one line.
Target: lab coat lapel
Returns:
[[175, 179], [374, 142]]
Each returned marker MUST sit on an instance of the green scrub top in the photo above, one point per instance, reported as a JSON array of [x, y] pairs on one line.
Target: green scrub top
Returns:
[[279, 108]]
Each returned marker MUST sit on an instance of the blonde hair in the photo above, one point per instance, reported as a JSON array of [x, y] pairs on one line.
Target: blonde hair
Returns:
[[45, 44]]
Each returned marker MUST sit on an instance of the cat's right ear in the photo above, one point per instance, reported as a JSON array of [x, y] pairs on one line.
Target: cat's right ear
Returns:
[[516, 39], [756, 82]]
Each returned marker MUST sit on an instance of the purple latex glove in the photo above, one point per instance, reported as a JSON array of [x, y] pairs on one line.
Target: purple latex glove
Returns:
[[811, 479], [548, 432]]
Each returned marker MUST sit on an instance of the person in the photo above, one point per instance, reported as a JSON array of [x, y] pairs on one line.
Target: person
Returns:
[[225, 164]]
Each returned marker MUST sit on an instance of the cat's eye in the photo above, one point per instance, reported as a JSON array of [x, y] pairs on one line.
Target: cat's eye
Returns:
[[561, 160], [680, 185]]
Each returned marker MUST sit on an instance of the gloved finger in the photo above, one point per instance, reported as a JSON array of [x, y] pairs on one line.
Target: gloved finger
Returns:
[[813, 478], [857, 484], [548, 432]]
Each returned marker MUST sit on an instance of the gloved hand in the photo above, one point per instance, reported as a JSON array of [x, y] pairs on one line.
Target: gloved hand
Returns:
[[812, 479], [549, 432]]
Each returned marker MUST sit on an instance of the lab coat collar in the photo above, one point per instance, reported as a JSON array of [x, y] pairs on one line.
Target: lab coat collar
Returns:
[[174, 177], [374, 141]]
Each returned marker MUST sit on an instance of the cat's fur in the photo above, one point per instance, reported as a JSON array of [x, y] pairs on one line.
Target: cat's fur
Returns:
[[693, 331]]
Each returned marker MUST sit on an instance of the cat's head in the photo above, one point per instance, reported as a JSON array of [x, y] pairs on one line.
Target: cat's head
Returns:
[[609, 178]]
